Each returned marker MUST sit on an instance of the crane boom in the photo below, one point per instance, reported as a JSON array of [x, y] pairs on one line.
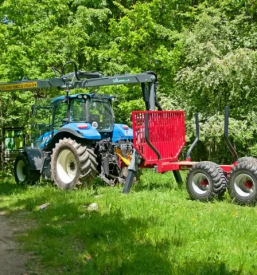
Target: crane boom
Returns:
[[81, 79], [71, 82]]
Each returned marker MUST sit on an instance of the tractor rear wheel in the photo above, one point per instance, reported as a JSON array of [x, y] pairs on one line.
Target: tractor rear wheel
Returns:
[[206, 181], [72, 164], [242, 184], [22, 172]]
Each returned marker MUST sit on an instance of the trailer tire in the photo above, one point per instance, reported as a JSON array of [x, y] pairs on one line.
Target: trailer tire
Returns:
[[22, 172], [242, 185], [72, 164], [247, 159], [206, 181]]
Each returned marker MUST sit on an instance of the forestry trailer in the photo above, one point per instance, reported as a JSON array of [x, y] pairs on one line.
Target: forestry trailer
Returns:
[[83, 141]]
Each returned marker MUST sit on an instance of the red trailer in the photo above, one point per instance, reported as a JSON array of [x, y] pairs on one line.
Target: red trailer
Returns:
[[159, 137]]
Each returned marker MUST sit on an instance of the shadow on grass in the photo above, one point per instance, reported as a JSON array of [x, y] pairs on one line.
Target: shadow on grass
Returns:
[[70, 240], [141, 186], [150, 180], [205, 268], [8, 187]]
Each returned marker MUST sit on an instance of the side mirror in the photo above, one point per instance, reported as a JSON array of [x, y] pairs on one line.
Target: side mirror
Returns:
[[65, 120]]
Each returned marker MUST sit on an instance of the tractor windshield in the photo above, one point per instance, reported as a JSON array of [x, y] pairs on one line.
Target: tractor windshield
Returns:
[[94, 111]]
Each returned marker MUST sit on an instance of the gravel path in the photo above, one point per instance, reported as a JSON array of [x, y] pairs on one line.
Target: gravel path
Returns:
[[11, 261]]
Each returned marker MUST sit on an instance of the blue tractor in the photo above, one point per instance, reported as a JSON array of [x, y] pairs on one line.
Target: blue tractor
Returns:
[[82, 140]]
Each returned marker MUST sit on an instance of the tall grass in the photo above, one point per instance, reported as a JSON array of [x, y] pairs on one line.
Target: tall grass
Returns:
[[155, 229]]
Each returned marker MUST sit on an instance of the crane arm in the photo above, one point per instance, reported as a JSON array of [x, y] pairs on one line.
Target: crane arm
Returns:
[[70, 81], [80, 79]]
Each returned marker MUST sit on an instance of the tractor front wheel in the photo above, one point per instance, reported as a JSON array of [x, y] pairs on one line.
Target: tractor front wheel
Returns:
[[22, 172], [72, 164], [206, 181], [242, 184]]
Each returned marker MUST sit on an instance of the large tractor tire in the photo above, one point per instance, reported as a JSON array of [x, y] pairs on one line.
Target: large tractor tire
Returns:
[[22, 172], [242, 184], [206, 181], [72, 164]]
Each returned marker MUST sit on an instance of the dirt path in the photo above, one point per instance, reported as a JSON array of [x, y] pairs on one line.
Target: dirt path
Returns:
[[11, 261]]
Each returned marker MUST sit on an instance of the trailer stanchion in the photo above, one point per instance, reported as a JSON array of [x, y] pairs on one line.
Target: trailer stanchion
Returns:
[[229, 145], [188, 157]]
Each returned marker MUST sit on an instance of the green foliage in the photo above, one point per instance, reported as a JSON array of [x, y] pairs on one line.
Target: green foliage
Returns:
[[219, 69], [216, 73], [204, 53]]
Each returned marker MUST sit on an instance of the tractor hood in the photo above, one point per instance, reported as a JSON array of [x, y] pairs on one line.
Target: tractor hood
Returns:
[[121, 131], [85, 130]]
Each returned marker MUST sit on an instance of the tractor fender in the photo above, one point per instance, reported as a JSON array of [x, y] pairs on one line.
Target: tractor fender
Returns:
[[35, 158], [71, 130], [54, 136], [121, 132], [61, 132], [82, 130]]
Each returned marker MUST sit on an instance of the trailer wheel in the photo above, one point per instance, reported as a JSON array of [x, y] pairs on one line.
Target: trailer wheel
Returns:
[[72, 164], [22, 172], [242, 184], [206, 181], [247, 159]]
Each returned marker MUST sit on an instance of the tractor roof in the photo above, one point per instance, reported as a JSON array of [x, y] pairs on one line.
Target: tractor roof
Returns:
[[95, 96]]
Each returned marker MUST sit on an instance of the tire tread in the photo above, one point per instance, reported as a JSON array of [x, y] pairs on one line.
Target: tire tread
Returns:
[[249, 165], [217, 176], [87, 162]]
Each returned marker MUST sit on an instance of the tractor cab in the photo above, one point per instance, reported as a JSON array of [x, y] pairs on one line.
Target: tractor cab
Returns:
[[84, 108], [87, 116]]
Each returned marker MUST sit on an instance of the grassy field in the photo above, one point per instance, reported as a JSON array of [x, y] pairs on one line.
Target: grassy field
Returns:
[[154, 230]]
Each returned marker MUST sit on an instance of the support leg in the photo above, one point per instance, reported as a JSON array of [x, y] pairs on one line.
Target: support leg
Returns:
[[132, 170], [129, 181], [177, 177]]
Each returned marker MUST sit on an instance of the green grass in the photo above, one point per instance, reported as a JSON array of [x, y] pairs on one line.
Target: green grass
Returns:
[[155, 229]]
